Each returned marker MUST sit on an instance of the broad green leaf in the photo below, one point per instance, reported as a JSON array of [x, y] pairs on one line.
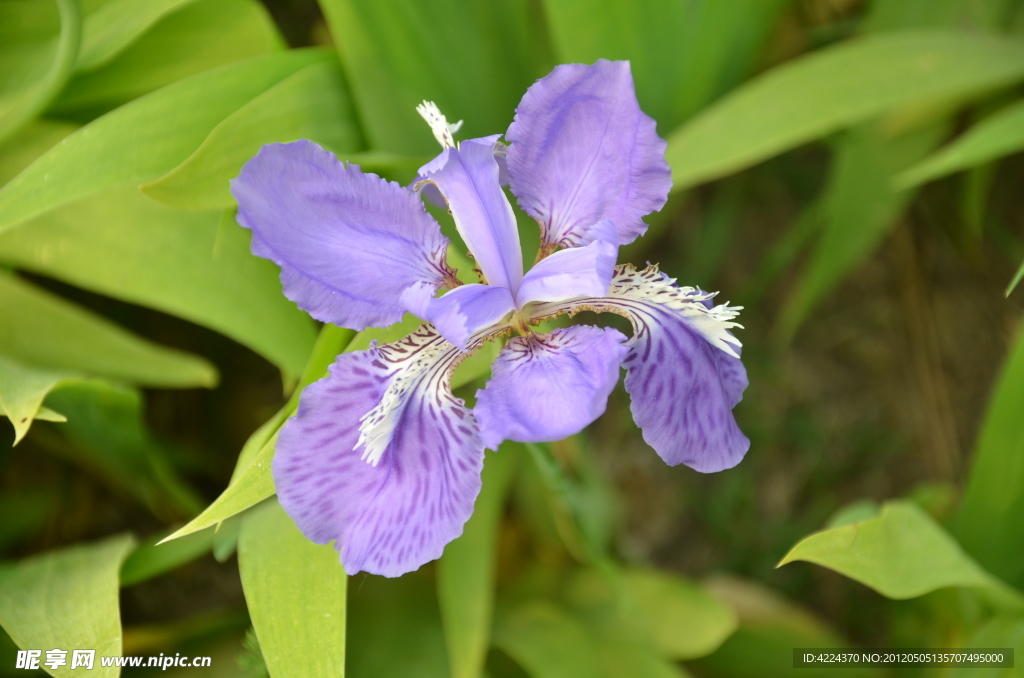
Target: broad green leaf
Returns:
[[903, 553], [998, 135], [22, 390], [115, 25], [152, 559], [196, 37], [682, 54], [67, 599], [474, 58], [144, 139], [547, 642], [989, 524], [680, 619], [839, 86], [121, 244], [37, 326], [32, 75], [466, 571], [858, 209], [31, 142], [311, 104], [105, 433], [251, 481], [295, 592], [394, 628]]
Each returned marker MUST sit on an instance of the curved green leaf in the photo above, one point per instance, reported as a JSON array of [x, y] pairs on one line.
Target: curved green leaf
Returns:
[[295, 591], [195, 265], [901, 554], [67, 599], [152, 559], [839, 86], [311, 104], [34, 139], [547, 642], [144, 139], [466, 571], [22, 390], [115, 25], [995, 136]]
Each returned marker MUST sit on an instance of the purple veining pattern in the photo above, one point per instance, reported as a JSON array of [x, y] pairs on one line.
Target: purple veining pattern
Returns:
[[391, 517]]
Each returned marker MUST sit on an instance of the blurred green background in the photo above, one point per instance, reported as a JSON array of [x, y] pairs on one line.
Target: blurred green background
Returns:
[[849, 171]]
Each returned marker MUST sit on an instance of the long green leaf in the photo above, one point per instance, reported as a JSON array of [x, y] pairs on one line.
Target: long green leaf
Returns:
[[32, 141], [998, 135], [67, 599], [901, 554], [989, 524], [395, 56], [190, 264], [466, 571], [115, 25], [682, 54], [311, 104], [36, 330], [145, 138], [20, 106], [22, 390], [295, 591], [189, 40], [839, 86], [547, 642], [152, 559]]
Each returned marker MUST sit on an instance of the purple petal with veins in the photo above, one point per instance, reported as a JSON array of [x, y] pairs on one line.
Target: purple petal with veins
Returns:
[[462, 312], [575, 272]]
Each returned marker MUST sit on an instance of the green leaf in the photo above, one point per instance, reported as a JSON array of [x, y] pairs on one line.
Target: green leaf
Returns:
[[903, 553], [22, 390], [394, 628], [833, 88], [858, 209], [33, 140], [152, 559], [196, 37], [680, 619], [1016, 280], [144, 139], [67, 599], [105, 433], [466, 571], [989, 524], [682, 54], [251, 481], [311, 104], [1000, 631], [28, 88], [476, 69], [995, 136], [295, 591], [121, 244], [115, 25], [37, 325], [547, 641]]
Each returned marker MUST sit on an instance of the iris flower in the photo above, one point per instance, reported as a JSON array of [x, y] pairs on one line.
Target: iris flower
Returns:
[[381, 457]]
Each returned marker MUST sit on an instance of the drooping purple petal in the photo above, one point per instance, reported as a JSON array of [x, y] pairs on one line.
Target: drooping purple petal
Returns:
[[681, 378], [582, 151], [462, 312], [575, 272], [546, 387], [347, 242], [382, 457], [469, 179]]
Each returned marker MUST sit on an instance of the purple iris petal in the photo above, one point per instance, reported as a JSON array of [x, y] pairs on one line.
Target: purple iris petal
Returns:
[[468, 178], [392, 517], [347, 243], [549, 386], [576, 272], [733, 375], [461, 312], [582, 151]]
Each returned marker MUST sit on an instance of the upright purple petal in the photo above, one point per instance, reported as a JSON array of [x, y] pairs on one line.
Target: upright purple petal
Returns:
[[462, 312], [347, 242], [382, 457], [582, 151], [469, 179], [546, 387], [683, 372], [576, 272]]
